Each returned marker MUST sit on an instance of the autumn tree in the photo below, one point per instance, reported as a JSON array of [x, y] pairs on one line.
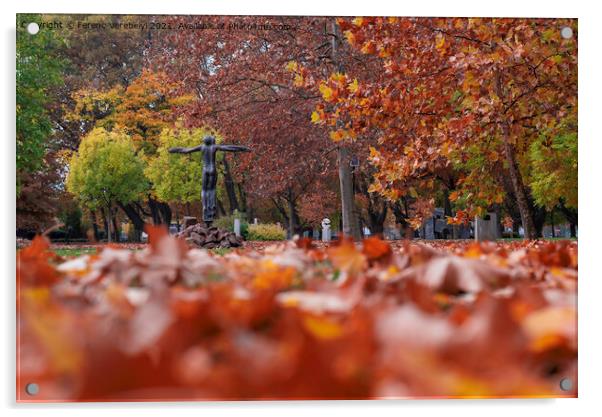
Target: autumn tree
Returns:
[[38, 70], [98, 59], [244, 87], [453, 88], [108, 57], [142, 110], [106, 172], [528, 70], [362, 106], [40, 196], [553, 173]]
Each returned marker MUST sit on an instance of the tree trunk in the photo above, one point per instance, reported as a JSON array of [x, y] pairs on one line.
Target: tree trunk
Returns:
[[526, 213], [94, 225], [243, 198], [571, 215], [107, 223], [377, 207], [137, 220], [515, 228], [293, 217], [377, 221], [349, 214], [448, 212], [229, 185], [520, 191], [165, 212], [221, 211], [376, 217], [160, 211], [250, 214], [116, 227], [510, 205], [539, 218], [401, 216], [281, 210], [498, 215], [152, 204]]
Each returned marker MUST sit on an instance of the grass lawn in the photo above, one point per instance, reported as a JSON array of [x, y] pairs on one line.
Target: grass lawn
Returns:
[[71, 252], [75, 251]]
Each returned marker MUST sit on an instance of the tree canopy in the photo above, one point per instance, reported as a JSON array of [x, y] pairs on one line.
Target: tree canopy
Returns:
[[38, 70], [106, 170], [472, 115], [450, 90], [554, 170]]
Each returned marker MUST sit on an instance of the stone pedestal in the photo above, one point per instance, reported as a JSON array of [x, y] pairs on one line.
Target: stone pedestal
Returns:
[[205, 237], [188, 221]]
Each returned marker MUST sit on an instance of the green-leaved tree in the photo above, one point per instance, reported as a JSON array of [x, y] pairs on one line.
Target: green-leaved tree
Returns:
[[39, 69], [554, 170], [106, 171]]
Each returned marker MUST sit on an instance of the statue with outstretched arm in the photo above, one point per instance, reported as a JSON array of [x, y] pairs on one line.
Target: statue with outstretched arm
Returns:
[[209, 148]]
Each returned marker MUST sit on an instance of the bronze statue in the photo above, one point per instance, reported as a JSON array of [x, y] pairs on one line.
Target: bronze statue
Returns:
[[209, 148]]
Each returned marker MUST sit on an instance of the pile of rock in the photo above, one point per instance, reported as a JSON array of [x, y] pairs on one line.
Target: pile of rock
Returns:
[[200, 236]]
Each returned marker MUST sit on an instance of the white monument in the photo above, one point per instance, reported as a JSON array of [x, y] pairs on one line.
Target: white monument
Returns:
[[237, 226], [326, 230]]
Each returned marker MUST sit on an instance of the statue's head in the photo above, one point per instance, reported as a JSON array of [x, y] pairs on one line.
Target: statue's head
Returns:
[[209, 140]]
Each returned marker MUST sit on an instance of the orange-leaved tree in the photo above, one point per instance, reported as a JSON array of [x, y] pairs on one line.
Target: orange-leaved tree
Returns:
[[452, 88]]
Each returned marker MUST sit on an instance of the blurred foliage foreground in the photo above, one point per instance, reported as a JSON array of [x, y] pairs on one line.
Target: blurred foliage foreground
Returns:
[[350, 321]]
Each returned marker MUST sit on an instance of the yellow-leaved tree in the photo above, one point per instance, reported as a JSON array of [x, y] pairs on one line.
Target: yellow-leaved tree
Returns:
[[106, 172], [149, 104]]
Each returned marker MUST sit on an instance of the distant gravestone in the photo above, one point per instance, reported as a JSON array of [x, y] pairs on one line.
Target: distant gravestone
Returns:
[[315, 234], [391, 233], [565, 231], [237, 227], [464, 231], [547, 232], [326, 230], [429, 229], [485, 228]]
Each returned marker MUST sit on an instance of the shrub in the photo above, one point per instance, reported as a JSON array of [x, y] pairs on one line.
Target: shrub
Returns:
[[266, 231]]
